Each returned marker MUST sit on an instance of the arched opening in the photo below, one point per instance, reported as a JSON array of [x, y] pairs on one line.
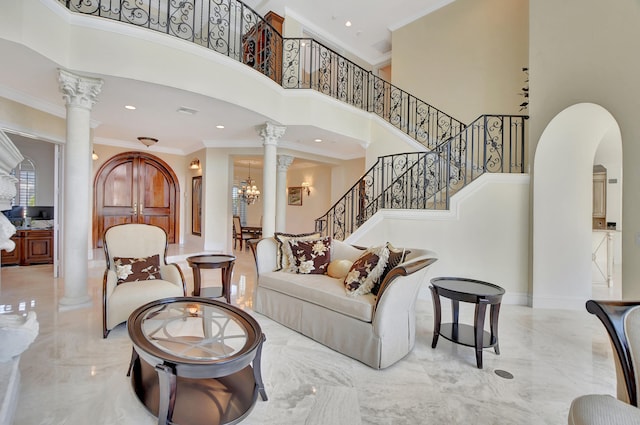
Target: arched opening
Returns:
[[562, 199]]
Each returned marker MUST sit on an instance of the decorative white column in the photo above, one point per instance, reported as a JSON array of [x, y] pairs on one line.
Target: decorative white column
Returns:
[[284, 161], [270, 134], [80, 94]]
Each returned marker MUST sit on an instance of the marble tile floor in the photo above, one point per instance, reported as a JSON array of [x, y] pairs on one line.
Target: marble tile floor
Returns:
[[72, 376]]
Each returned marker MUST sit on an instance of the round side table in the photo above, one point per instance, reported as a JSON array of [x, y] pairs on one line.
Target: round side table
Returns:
[[471, 291], [223, 262]]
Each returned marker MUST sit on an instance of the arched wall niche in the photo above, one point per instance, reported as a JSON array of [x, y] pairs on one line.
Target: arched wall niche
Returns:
[[562, 199]]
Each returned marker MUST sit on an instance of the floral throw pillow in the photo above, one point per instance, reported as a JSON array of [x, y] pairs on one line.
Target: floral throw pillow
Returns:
[[310, 257], [284, 252], [137, 269], [366, 270], [396, 256]]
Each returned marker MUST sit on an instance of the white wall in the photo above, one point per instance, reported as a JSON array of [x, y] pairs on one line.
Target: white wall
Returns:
[[484, 236], [580, 52]]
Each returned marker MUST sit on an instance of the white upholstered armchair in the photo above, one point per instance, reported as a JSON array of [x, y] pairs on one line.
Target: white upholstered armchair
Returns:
[[621, 319], [137, 272]]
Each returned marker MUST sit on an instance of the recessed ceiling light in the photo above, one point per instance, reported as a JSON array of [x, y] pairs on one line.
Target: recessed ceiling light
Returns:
[[130, 107], [220, 126], [317, 140], [347, 24]]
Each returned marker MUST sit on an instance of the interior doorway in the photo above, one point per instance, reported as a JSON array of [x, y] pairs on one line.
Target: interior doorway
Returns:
[[563, 204], [135, 187]]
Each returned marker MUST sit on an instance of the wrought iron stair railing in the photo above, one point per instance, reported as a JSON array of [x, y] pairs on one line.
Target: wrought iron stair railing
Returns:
[[427, 180], [416, 180], [232, 28]]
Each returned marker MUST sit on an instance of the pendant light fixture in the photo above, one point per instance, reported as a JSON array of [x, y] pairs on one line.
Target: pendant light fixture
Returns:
[[249, 192]]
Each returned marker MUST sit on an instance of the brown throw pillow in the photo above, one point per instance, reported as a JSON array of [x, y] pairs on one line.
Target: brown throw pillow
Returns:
[[311, 257], [284, 252], [366, 270], [396, 256], [137, 269]]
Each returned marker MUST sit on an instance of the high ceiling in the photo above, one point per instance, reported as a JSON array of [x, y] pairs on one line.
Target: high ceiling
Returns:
[[368, 37], [27, 78]]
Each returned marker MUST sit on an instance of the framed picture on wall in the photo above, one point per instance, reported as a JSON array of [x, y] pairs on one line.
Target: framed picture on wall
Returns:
[[294, 195], [196, 205]]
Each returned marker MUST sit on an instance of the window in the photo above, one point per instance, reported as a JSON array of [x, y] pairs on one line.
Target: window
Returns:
[[239, 208], [25, 172]]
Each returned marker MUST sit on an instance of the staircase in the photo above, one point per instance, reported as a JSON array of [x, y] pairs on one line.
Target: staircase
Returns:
[[427, 180], [455, 154]]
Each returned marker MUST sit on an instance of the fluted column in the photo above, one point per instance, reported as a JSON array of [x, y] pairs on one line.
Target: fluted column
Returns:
[[270, 134], [80, 94], [284, 161]]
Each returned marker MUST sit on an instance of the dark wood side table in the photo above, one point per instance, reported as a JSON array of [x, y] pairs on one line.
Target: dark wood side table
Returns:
[[223, 262], [471, 291]]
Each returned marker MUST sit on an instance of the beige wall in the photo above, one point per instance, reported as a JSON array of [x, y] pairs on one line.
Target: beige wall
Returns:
[[466, 58], [344, 176], [301, 219], [17, 117], [584, 51]]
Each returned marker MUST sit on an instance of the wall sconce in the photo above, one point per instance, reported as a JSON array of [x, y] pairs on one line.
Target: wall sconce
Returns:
[[306, 186], [94, 155], [195, 164]]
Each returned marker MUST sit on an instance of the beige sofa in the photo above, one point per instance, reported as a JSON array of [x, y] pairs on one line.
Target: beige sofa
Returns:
[[376, 330]]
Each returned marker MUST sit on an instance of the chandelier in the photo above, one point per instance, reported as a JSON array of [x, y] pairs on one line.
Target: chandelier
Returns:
[[249, 192]]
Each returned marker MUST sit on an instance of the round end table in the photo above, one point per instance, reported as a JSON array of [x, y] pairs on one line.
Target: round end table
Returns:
[[471, 291], [223, 262]]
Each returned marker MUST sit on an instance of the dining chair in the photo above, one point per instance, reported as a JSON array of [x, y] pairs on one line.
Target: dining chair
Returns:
[[240, 235], [621, 320]]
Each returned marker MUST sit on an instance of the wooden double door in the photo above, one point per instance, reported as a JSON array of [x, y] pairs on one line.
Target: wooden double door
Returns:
[[135, 187]]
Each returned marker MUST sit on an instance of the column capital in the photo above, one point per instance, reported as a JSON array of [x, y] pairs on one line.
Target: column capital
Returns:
[[270, 133], [284, 161], [79, 91]]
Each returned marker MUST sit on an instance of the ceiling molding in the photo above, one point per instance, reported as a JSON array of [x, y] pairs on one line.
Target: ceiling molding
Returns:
[[137, 146]]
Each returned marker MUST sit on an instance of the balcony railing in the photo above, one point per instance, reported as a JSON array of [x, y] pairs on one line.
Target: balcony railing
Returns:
[[427, 180], [459, 154], [234, 29]]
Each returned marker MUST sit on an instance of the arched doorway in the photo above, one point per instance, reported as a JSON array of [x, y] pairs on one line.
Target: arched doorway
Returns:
[[135, 187], [562, 205]]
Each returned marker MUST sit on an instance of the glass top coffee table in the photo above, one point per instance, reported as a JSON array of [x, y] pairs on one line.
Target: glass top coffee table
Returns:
[[195, 360], [471, 291]]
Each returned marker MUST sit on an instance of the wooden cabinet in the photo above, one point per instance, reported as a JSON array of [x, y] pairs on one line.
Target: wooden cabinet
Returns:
[[32, 247], [599, 197], [37, 247], [12, 258]]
